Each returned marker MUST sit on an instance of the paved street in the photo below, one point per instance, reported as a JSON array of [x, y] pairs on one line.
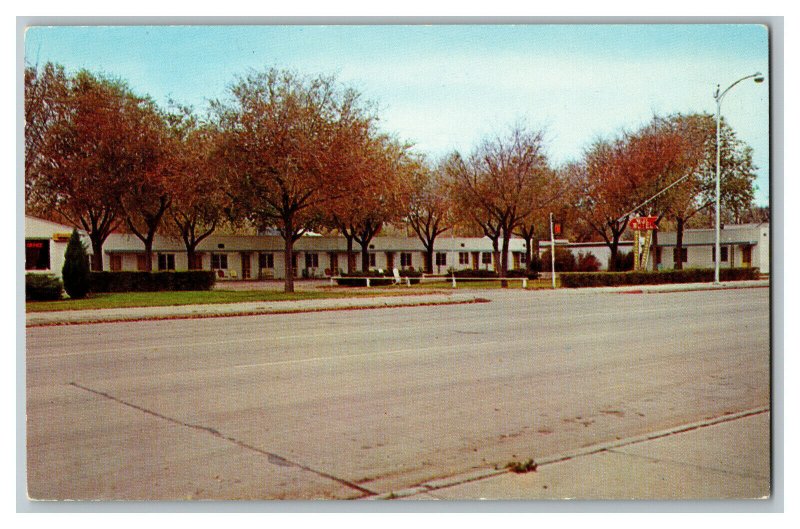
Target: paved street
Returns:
[[351, 404]]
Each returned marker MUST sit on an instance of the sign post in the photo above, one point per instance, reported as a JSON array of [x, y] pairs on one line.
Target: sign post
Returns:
[[642, 235], [552, 252]]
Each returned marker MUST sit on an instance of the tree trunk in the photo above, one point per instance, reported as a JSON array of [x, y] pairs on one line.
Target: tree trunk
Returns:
[[679, 244], [97, 252], [429, 259], [288, 285], [351, 258], [364, 254], [148, 254], [190, 255], [534, 252], [504, 259]]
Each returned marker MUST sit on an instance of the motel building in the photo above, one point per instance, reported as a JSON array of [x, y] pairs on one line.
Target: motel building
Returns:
[[254, 257]]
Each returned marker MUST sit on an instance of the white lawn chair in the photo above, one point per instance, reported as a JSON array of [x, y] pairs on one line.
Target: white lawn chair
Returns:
[[397, 278]]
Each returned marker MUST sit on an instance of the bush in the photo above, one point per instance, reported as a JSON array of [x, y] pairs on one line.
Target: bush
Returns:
[[42, 287], [475, 273], [623, 262], [690, 275], [587, 262], [522, 273], [376, 278], [151, 281], [565, 260], [76, 268]]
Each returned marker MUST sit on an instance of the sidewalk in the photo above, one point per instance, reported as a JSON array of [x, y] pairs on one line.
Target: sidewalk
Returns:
[[723, 458], [34, 319]]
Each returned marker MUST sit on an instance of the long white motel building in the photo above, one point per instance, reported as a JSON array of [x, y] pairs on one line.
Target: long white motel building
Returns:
[[250, 257]]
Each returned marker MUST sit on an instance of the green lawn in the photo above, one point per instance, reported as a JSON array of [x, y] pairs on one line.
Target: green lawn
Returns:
[[156, 299]]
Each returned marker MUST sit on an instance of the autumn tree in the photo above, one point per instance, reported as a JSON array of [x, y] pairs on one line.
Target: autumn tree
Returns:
[[278, 132], [89, 156], [429, 207], [501, 179], [555, 195], [607, 195], [199, 201], [696, 192], [374, 173], [46, 92], [146, 200]]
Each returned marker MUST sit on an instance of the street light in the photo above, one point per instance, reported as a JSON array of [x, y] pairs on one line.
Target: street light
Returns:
[[758, 78]]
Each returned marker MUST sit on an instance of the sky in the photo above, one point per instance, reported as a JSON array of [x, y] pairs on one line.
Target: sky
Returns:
[[446, 87]]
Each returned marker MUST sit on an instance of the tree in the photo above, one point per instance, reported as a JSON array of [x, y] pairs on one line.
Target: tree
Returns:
[[429, 208], [278, 133], [146, 200], [697, 192], [501, 179], [46, 92], [374, 174], [75, 271], [198, 197], [88, 157]]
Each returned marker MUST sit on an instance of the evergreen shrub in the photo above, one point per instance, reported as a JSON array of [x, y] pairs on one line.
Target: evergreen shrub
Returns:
[[42, 287], [75, 271]]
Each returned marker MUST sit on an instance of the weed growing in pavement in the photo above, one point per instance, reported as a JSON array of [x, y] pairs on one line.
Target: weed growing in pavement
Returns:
[[519, 467]]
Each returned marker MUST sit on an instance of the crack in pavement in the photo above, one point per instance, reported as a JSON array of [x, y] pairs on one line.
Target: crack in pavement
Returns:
[[273, 458]]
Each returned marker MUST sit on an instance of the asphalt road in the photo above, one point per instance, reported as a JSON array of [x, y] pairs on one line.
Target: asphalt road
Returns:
[[354, 403]]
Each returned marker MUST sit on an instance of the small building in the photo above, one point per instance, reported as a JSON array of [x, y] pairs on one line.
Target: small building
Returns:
[[262, 256]]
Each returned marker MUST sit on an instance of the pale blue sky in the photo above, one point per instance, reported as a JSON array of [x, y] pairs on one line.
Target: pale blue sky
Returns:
[[446, 87]]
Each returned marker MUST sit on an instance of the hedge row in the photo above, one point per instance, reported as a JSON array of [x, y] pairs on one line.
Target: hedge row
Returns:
[[42, 287], [691, 275], [376, 279], [151, 281]]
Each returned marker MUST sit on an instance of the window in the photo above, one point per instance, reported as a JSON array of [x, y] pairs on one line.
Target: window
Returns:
[[723, 251], [441, 259], [372, 260], [684, 255], [312, 260], [37, 254], [486, 258], [219, 261], [463, 258], [405, 260], [266, 260], [523, 258], [166, 261]]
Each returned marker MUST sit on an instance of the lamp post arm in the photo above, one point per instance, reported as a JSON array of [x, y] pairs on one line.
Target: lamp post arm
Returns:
[[719, 96]]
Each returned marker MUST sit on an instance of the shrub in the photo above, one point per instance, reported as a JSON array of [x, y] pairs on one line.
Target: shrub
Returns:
[[475, 273], [42, 287], [76, 268], [376, 278], [690, 275], [151, 281], [565, 260], [623, 262], [522, 273], [587, 262]]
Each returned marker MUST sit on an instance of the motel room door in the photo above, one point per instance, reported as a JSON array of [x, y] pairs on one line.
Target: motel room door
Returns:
[[246, 266]]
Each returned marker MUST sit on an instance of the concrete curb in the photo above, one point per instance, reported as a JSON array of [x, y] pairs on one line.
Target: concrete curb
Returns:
[[475, 475]]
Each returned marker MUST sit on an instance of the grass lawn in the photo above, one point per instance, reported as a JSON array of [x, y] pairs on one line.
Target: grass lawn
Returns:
[[158, 299]]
